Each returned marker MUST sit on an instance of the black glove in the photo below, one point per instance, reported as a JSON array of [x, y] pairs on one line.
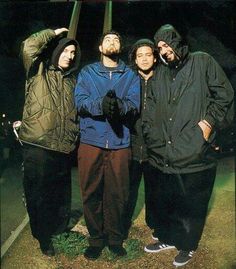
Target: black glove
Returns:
[[116, 107], [109, 103], [106, 105]]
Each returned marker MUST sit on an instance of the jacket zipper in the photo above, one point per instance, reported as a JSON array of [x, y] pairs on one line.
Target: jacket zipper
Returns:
[[107, 142], [145, 95], [144, 107]]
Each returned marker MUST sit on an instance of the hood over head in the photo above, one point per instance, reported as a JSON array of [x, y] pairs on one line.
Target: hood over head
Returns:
[[140, 43], [60, 46], [171, 37]]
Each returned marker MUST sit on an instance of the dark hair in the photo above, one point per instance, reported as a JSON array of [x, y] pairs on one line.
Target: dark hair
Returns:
[[111, 32], [134, 48]]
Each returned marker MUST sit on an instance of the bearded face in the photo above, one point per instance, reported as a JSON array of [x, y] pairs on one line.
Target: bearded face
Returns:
[[166, 52], [110, 45]]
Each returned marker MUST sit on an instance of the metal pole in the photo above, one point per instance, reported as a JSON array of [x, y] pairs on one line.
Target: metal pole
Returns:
[[108, 17], [74, 20]]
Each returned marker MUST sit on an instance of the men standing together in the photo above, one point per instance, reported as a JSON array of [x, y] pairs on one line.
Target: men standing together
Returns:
[[170, 123]]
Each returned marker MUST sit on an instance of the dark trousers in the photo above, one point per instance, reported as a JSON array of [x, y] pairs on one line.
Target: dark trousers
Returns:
[[104, 182], [47, 186], [181, 207], [137, 170]]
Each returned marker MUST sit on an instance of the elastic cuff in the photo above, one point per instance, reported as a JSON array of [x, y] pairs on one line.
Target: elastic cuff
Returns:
[[210, 120]]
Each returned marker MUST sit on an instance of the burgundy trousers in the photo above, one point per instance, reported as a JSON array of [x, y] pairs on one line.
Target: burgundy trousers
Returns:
[[104, 183]]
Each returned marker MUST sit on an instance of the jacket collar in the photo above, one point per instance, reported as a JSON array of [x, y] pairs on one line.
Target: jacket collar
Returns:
[[120, 68]]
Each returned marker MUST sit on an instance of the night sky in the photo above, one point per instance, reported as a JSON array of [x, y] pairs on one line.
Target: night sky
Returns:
[[208, 25]]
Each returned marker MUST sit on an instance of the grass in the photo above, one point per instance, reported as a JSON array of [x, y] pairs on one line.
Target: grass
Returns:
[[72, 244]]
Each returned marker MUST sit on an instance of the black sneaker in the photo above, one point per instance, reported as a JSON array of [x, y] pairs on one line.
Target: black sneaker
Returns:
[[183, 257], [117, 250], [157, 247], [92, 253]]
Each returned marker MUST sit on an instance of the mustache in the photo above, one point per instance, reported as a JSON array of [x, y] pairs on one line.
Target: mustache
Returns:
[[109, 52]]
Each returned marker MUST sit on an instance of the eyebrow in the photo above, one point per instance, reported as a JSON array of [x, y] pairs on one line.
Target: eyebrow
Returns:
[[110, 37]]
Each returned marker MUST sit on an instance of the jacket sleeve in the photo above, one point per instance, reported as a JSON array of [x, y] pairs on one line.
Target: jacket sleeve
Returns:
[[33, 47], [84, 99], [131, 102], [221, 95]]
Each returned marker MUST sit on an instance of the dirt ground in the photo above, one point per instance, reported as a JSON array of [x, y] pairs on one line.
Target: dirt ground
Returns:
[[216, 249]]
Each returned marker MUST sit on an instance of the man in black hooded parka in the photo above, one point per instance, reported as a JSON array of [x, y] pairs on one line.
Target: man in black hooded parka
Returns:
[[188, 104]]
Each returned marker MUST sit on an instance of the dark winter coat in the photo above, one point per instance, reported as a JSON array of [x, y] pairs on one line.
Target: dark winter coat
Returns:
[[138, 145], [50, 116], [195, 89]]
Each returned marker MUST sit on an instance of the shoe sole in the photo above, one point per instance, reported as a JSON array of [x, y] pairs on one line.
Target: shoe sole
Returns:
[[159, 250], [180, 264]]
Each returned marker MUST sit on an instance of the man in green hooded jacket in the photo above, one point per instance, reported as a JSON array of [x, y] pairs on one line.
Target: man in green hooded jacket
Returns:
[[49, 131]]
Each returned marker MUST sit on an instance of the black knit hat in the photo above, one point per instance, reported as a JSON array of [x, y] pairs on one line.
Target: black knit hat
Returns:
[[140, 43]]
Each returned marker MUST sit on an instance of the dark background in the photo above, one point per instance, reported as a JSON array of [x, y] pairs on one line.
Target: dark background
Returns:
[[209, 26]]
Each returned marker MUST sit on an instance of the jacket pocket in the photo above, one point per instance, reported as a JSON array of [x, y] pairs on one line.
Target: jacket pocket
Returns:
[[189, 148], [153, 138]]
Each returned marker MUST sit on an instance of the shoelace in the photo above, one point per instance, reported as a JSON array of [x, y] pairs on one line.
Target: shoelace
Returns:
[[191, 253], [187, 253]]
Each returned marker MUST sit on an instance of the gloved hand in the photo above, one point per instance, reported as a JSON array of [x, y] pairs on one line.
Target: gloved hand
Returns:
[[106, 105], [111, 104], [107, 101], [116, 107]]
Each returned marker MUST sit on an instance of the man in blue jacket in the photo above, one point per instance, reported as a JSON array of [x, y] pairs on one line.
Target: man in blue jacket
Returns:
[[107, 95]]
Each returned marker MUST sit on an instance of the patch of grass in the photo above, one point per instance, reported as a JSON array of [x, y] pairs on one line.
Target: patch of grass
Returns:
[[133, 248], [71, 244]]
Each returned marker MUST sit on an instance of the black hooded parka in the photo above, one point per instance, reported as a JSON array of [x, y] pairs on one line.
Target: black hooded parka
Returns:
[[195, 88]]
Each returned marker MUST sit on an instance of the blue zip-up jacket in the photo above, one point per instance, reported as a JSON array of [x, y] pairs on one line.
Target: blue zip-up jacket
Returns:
[[94, 81]]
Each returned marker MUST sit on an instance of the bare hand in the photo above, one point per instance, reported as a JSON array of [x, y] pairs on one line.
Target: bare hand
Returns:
[[16, 124], [206, 129], [60, 30]]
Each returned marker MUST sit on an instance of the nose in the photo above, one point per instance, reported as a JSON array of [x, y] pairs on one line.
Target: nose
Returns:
[[69, 55]]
